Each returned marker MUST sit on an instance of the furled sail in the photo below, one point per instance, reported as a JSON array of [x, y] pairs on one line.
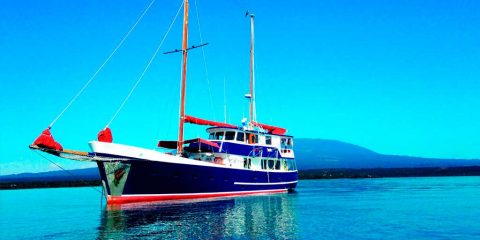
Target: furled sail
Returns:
[[271, 129], [105, 135], [45, 140], [199, 121]]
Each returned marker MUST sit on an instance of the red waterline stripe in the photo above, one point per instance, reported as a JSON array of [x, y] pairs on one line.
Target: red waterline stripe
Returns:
[[166, 197]]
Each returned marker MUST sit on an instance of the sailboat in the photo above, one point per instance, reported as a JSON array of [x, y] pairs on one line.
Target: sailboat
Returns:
[[252, 158]]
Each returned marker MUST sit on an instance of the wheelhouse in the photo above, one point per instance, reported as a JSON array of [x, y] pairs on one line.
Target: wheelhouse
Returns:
[[246, 149], [250, 137]]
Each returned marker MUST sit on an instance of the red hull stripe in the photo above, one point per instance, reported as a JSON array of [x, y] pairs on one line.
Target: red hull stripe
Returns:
[[166, 197]]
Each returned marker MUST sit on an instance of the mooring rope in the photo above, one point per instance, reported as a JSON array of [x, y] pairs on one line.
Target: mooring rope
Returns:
[[146, 68], [104, 63]]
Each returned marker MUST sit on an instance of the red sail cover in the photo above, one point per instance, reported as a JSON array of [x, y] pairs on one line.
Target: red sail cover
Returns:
[[271, 129], [105, 135], [45, 140], [199, 121]]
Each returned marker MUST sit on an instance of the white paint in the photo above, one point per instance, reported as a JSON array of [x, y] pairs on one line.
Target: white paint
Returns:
[[277, 183], [152, 155]]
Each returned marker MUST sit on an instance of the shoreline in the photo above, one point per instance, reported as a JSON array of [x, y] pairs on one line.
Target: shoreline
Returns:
[[389, 172], [48, 184], [347, 173]]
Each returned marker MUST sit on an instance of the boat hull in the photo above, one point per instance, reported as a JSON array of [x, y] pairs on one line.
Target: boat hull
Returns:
[[143, 180]]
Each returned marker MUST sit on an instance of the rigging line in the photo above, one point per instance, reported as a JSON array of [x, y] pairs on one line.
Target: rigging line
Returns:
[[146, 67], [70, 173], [161, 121], [103, 64], [205, 61]]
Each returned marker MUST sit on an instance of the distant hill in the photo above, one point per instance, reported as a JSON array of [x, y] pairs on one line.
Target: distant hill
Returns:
[[310, 154], [87, 174], [321, 154]]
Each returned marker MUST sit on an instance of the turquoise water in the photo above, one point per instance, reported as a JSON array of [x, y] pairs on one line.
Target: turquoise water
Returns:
[[393, 208]]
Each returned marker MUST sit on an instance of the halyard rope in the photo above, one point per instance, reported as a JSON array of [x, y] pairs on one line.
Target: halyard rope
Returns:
[[103, 64], [205, 61], [145, 69]]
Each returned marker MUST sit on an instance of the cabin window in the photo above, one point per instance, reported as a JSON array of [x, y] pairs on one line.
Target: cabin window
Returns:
[[277, 164], [289, 143], [211, 136], [240, 136], [286, 143], [264, 163], [271, 164], [252, 138], [219, 135], [290, 164], [247, 163], [229, 135], [268, 140], [284, 164]]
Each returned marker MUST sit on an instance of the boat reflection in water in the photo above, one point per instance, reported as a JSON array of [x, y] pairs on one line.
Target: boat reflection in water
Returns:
[[269, 216]]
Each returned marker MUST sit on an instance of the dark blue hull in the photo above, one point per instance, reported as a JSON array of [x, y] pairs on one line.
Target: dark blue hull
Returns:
[[150, 180]]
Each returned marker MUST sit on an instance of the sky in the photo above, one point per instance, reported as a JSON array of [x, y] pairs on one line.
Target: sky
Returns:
[[397, 77]]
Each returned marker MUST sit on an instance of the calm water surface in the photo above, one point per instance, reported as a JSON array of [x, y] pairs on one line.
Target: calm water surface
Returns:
[[394, 208]]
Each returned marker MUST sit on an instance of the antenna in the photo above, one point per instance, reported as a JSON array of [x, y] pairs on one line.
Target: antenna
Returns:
[[224, 100]]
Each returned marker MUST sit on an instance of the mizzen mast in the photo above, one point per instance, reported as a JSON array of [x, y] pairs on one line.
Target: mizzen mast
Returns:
[[253, 114], [184, 78]]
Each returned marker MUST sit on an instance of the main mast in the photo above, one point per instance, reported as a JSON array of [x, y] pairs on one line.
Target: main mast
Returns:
[[184, 78]]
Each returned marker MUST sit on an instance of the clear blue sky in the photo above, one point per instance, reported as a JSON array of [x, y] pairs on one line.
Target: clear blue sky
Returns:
[[398, 77]]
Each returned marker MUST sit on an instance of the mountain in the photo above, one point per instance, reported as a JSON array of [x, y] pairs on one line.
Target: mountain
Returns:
[[310, 154], [321, 154], [87, 174]]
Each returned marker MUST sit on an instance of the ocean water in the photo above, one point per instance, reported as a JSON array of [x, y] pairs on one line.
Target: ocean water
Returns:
[[390, 208]]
